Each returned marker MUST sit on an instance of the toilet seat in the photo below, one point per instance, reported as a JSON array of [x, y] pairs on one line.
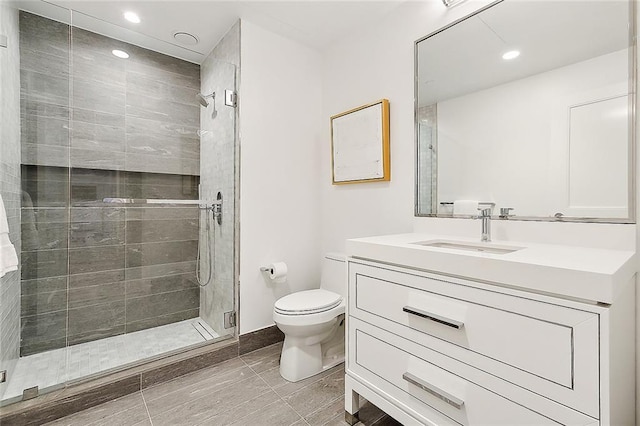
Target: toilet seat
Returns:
[[307, 302]]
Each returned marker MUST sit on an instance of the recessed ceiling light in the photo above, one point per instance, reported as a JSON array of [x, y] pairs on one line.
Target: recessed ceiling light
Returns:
[[512, 54], [132, 17], [120, 53]]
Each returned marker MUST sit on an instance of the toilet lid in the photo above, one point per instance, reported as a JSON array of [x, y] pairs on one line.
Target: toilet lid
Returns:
[[308, 302]]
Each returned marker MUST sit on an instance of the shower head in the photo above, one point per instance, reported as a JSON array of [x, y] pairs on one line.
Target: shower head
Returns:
[[203, 98]]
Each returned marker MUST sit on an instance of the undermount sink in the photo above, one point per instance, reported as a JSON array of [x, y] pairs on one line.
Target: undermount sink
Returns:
[[480, 247]]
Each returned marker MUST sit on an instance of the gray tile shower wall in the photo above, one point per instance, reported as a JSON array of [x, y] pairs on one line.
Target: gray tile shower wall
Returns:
[[44, 91], [94, 270], [96, 126], [10, 186], [85, 108]]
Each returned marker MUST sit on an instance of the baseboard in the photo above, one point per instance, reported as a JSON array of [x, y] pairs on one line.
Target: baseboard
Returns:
[[249, 342]]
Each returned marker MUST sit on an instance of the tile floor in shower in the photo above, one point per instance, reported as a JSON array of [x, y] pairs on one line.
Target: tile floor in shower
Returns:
[[247, 390], [54, 367]]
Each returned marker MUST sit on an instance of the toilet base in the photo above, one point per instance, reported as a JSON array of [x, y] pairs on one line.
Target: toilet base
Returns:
[[300, 360], [299, 365]]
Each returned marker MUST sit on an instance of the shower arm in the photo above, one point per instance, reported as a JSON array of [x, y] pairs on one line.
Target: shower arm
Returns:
[[201, 203]]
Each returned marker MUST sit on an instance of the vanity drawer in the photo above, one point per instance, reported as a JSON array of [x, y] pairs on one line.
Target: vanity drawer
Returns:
[[439, 389], [549, 349]]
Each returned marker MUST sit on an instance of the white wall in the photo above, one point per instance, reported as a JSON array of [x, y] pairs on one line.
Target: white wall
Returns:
[[379, 62], [280, 110], [373, 64]]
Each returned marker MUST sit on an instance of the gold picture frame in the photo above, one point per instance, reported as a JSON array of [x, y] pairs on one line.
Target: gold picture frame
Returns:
[[360, 150]]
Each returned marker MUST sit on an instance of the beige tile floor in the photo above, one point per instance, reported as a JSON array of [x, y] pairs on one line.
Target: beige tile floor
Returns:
[[243, 391]]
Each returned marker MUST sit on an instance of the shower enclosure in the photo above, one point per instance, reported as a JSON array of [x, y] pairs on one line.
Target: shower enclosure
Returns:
[[125, 187]]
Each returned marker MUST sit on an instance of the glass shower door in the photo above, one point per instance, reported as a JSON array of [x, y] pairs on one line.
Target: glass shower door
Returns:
[[103, 284], [218, 180]]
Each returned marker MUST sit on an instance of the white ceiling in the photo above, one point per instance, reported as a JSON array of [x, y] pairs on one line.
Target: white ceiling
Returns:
[[314, 23]]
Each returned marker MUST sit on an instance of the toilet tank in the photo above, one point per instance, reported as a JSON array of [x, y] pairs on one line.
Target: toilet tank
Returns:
[[334, 273]]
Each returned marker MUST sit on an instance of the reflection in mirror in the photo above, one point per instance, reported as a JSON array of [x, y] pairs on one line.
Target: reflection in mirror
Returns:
[[528, 105]]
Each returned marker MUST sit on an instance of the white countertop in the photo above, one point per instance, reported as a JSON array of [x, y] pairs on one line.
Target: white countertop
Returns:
[[575, 272]]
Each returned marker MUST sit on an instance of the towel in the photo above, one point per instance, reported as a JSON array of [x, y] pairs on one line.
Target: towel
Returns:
[[465, 207], [4, 225], [8, 256]]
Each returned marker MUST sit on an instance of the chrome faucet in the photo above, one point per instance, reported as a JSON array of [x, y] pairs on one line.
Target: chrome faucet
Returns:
[[485, 215], [505, 212]]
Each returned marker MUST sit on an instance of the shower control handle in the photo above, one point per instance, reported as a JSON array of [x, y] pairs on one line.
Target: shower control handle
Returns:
[[217, 208]]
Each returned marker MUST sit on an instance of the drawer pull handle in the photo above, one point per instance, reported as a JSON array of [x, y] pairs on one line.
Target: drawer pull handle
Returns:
[[433, 390], [433, 317]]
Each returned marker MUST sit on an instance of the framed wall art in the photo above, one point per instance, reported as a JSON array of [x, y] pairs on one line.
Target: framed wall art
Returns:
[[360, 144]]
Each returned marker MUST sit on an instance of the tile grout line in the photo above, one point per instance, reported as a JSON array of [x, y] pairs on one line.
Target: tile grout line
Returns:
[[185, 376], [294, 410], [296, 391], [260, 377], [233, 408], [277, 394], [146, 407], [325, 406], [190, 401], [313, 383]]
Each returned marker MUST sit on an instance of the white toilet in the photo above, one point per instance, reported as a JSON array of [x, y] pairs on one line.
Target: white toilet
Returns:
[[313, 323]]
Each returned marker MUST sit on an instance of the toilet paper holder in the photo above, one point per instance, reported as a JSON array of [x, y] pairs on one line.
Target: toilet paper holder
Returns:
[[276, 272]]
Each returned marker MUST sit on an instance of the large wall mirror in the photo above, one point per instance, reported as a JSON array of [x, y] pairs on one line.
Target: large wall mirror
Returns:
[[529, 105]]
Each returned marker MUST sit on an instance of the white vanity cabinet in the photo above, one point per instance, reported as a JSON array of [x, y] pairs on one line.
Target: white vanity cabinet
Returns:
[[432, 348]]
